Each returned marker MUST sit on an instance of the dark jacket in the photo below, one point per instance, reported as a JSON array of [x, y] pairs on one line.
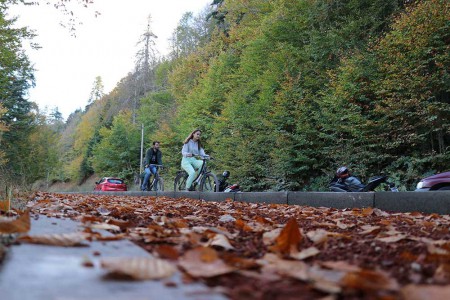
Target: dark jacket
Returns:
[[353, 184], [148, 156], [349, 184]]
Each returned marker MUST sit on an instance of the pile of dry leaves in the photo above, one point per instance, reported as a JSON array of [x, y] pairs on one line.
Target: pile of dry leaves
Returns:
[[259, 251]]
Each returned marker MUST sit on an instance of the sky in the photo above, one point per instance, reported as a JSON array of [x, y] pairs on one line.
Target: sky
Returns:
[[105, 46]]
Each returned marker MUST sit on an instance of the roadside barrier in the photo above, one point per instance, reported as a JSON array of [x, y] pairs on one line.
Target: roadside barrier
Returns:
[[425, 202]]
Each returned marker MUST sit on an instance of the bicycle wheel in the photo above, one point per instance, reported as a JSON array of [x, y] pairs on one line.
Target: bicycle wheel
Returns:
[[180, 181], [159, 185], [209, 183]]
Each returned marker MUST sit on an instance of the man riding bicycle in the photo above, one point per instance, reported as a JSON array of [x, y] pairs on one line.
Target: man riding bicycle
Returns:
[[153, 157]]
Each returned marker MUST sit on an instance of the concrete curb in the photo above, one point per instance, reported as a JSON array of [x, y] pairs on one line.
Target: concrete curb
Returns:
[[425, 202], [329, 199]]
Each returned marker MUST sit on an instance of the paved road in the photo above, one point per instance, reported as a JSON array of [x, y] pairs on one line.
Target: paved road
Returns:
[[32, 272]]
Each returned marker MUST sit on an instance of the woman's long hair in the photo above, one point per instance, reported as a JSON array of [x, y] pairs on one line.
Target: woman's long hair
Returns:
[[190, 136]]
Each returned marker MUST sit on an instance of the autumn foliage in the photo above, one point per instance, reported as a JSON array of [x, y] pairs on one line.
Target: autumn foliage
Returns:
[[274, 251]]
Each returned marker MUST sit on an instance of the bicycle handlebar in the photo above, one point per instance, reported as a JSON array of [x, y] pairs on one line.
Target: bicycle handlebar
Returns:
[[159, 166], [206, 157]]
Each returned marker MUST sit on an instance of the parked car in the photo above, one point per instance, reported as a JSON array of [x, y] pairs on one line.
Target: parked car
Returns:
[[437, 182], [110, 184]]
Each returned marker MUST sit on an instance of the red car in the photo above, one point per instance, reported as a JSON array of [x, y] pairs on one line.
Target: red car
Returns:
[[111, 184], [438, 182]]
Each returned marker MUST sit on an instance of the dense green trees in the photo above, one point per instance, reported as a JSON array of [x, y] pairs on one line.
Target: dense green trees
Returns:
[[16, 76], [300, 87], [118, 149], [284, 91]]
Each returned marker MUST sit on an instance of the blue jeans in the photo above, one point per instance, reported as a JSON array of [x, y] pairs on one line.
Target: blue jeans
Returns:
[[151, 169]]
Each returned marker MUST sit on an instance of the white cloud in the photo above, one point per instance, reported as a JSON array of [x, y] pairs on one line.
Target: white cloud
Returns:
[[105, 46]]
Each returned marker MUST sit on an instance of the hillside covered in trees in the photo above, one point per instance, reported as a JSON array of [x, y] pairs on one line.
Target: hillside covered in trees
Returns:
[[284, 91]]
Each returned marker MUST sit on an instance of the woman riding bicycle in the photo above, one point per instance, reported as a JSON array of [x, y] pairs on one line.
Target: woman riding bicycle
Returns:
[[192, 147]]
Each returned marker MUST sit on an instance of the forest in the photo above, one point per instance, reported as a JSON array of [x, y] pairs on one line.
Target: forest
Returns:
[[284, 91]]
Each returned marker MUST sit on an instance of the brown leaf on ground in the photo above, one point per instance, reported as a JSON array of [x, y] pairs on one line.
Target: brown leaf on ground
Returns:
[[220, 240], [19, 225], [232, 259], [367, 211], [305, 253], [168, 252], [318, 236], [271, 263], [204, 262], [242, 225], [426, 292], [89, 218], [328, 281], [62, 239], [391, 239], [369, 280], [120, 223], [350, 253], [139, 268], [262, 220], [104, 226], [442, 274], [270, 236], [340, 266], [369, 229], [288, 240]]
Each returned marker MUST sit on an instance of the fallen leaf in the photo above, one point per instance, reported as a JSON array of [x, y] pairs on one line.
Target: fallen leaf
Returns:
[[288, 240], [236, 261], [442, 273], [343, 225], [168, 252], [226, 218], [433, 249], [426, 292], [271, 263], [340, 266], [391, 239], [308, 252], [369, 280], [270, 236], [60, 239], [19, 225], [103, 211], [367, 211], [140, 268], [262, 220], [369, 229], [203, 262], [318, 236], [324, 280], [380, 213], [87, 262], [122, 224], [242, 225], [104, 226], [220, 240]]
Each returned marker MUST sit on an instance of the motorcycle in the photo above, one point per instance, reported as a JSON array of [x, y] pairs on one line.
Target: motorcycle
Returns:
[[339, 185], [224, 186]]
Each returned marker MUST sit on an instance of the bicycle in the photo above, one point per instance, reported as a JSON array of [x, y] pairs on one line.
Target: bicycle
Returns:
[[205, 180], [157, 182]]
